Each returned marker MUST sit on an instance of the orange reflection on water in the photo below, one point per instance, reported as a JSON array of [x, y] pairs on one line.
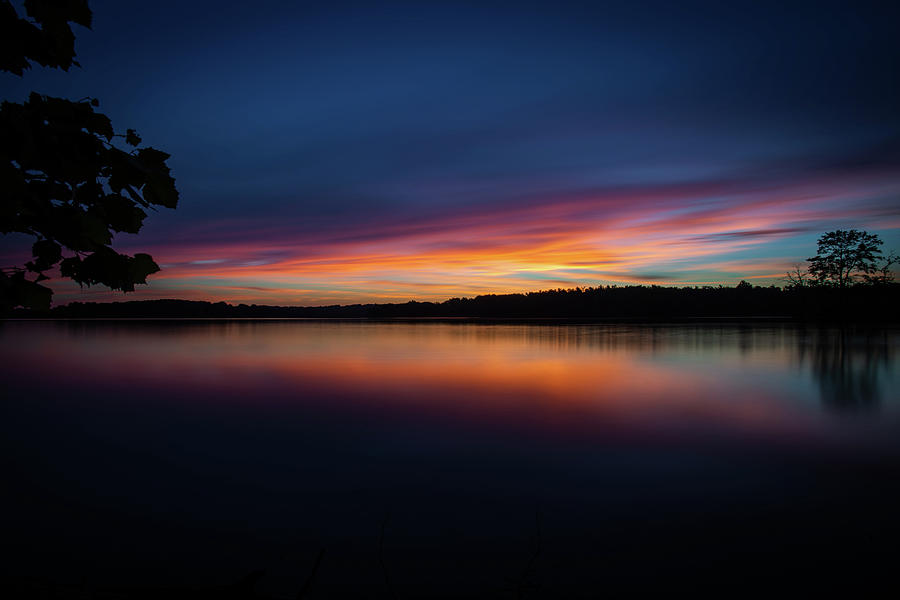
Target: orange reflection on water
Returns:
[[613, 389], [569, 378]]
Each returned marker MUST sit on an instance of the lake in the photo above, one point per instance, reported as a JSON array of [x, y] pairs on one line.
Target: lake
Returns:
[[448, 458]]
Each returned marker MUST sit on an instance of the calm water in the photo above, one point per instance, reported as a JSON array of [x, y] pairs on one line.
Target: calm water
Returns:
[[447, 458]]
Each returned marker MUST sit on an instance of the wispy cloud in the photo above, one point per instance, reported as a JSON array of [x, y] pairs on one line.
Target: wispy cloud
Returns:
[[705, 232]]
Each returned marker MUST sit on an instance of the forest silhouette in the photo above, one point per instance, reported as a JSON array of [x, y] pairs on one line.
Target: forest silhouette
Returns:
[[870, 303]]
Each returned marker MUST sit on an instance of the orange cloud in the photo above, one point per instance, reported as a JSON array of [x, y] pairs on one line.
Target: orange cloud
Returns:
[[687, 235]]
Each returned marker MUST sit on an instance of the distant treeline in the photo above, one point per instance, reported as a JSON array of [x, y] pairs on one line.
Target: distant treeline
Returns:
[[862, 303]]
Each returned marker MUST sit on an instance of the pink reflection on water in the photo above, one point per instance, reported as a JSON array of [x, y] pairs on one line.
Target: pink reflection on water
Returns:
[[602, 381]]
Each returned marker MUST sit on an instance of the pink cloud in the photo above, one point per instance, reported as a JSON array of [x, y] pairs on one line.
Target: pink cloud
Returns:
[[692, 233]]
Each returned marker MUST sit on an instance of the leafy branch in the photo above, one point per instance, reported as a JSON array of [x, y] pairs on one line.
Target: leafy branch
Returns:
[[62, 179]]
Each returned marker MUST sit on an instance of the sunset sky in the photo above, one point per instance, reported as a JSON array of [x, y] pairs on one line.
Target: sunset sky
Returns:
[[357, 152]]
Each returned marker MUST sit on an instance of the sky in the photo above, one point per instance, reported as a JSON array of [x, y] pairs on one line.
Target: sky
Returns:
[[348, 152]]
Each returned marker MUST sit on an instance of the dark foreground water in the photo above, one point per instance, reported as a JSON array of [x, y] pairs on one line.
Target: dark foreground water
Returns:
[[448, 458]]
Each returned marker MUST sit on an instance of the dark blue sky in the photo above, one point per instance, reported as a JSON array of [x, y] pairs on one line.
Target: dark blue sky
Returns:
[[298, 129]]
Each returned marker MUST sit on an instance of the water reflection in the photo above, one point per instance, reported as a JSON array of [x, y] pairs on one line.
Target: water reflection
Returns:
[[657, 378], [848, 365], [169, 447]]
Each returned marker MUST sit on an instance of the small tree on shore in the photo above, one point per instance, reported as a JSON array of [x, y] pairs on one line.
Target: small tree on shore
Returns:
[[883, 273], [797, 277]]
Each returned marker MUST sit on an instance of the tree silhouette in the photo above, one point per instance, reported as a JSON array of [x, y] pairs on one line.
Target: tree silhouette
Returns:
[[844, 256], [63, 178]]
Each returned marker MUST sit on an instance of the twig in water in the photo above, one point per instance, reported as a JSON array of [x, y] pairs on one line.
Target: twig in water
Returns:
[[312, 575], [525, 582], [387, 577]]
